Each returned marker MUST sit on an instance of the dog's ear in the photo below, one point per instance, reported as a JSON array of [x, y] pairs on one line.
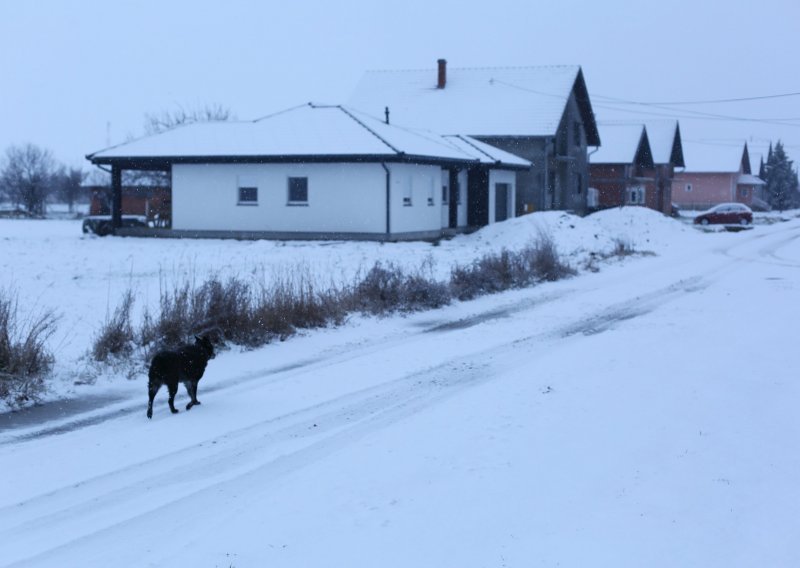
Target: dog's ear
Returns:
[[197, 339]]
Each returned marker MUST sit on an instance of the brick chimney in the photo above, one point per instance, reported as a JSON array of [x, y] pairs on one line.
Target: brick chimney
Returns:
[[442, 78]]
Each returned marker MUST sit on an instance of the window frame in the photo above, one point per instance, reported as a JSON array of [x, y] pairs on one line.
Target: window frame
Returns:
[[244, 183], [296, 202]]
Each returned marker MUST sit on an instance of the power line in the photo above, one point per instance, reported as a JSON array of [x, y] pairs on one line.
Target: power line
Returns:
[[714, 101], [696, 113], [776, 121]]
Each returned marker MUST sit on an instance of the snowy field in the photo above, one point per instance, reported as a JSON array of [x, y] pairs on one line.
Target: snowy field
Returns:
[[643, 415]]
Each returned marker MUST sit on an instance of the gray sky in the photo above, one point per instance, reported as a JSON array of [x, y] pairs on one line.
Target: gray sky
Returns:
[[70, 68]]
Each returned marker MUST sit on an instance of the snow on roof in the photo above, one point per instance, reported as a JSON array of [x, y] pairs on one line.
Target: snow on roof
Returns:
[[662, 135], [307, 130], [488, 153], [491, 101], [713, 158], [750, 179], [620, 143]]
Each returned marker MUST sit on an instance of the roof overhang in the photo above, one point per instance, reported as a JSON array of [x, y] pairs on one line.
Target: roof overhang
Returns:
[[156, 163]]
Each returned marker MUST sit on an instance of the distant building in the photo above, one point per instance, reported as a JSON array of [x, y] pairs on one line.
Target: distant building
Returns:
[[620, 171], [542, 114], [717, 174], [667, 147]]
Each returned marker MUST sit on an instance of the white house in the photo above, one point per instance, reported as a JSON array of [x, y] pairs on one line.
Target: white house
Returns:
[[318, 171]]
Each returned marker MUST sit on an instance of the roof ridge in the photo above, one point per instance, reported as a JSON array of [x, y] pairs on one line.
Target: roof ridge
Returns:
[[270, 115], [469, 140], [368, 129], [478, 68]]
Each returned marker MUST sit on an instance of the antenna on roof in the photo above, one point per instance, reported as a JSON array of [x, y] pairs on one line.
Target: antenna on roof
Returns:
[[386, 112]]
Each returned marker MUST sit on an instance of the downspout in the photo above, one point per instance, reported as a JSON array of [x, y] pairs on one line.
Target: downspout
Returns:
[[388, 199]]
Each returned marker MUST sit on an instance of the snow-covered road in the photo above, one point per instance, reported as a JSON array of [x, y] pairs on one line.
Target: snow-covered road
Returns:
[[641, 416]]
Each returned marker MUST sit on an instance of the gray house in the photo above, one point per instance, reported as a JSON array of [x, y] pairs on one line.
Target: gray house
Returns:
[[542, 114]]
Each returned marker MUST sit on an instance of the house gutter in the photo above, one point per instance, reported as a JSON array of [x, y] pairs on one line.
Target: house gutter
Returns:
[[388, 198]]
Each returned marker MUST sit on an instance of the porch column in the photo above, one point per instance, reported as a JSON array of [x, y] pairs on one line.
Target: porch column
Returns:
[[116, 197]]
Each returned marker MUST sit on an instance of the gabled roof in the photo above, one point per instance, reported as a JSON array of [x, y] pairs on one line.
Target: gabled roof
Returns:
[[623, 144], [717, 158], [489, 101], [665, 141], [307, 132]]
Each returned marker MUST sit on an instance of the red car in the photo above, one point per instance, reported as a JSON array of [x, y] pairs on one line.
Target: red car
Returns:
[[726, 214]]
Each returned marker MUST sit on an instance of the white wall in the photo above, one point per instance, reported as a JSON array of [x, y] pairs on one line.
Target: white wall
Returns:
[[347, 198], [502, 176], [462, 189], [341, 198], [425, 181]]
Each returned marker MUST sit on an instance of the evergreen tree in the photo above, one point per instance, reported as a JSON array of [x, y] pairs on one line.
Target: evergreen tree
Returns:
[[781, 178]]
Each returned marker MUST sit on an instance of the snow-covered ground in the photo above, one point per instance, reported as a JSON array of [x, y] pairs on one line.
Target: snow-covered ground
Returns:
[[643, 415], [81, 278]]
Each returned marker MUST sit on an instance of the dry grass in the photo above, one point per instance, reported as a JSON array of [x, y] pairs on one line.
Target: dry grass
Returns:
[[25, 361]]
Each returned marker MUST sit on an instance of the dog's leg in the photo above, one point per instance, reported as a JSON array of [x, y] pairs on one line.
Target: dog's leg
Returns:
[[191, 390], [173, 390], [152, 389]]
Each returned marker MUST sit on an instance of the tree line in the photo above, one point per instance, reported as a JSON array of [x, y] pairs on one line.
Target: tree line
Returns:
[[30, 176]]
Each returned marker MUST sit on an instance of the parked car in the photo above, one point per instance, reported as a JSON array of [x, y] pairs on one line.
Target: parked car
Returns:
[[101, 224], [726, 214]]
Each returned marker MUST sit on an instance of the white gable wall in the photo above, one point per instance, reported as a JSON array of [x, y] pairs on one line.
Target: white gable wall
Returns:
[[348, 198]]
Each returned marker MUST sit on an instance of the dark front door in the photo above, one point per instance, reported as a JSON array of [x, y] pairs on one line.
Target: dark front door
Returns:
[[477, 198], [501, 191], [455, 192]]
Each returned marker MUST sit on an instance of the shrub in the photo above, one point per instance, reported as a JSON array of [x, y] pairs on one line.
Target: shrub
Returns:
[[25, 360], [116, 336], [505, 270], [387, 288], [544, 261]]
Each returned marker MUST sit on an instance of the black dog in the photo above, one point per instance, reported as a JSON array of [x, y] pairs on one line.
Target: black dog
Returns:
[[185, 365]]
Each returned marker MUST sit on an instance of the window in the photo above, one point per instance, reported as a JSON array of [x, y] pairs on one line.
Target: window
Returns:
[[444, 195], [408, 191], [247, 191], [576, 133], [688, 187], [298, 191], [636, 196], [580, 184], [743, 192]]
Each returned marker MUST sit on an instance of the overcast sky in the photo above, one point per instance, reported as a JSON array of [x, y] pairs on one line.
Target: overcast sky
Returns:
[[76, 74]]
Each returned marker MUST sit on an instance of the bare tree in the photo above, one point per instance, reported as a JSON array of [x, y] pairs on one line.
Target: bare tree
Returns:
[[68, 185], [27, 176], [155, 123]]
